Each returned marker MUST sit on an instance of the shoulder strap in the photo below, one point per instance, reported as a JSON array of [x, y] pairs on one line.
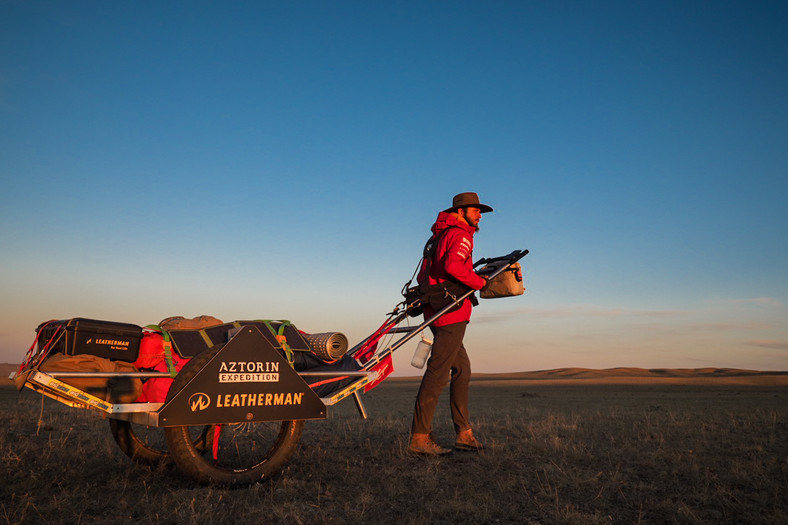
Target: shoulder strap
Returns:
[[427, 254], [430, 247]]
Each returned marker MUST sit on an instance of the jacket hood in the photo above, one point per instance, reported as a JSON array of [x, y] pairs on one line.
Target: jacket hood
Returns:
[[449, 220]]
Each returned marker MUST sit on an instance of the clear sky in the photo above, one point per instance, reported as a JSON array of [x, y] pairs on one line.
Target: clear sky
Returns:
[[286, 159]]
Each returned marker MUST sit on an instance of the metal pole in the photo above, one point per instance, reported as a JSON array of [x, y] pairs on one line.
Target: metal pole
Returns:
[[59, 375], [107, 374], [509, 259], [333, 374]]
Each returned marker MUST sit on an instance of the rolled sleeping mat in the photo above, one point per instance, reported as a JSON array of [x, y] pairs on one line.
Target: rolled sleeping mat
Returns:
[[328, 346]]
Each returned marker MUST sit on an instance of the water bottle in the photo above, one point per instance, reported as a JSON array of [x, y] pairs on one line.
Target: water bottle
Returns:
[[422, 352]]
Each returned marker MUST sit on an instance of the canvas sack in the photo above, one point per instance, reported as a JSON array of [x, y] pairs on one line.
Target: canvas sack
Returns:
[[181, 323], [112, 389], [506, 284]]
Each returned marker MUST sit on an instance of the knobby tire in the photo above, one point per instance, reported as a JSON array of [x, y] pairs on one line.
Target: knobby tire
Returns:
[[246, 453]]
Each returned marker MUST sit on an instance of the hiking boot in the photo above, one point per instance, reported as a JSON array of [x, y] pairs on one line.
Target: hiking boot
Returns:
[[424, 444], [467, 443]]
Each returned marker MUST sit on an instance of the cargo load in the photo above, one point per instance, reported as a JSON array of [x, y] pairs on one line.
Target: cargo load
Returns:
[[165, 350]]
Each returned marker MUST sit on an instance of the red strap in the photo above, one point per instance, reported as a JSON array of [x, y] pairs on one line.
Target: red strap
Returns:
[[326, 381], [217, 430], [370, 344], [29, 355]]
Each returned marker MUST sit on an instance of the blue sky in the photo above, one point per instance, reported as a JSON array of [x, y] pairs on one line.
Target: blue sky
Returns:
[[286, 159]]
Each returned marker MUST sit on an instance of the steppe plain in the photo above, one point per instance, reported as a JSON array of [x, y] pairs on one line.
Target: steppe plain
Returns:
[[562, 446]]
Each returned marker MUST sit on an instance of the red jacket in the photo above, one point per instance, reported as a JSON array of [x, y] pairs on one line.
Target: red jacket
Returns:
[[452, 260]]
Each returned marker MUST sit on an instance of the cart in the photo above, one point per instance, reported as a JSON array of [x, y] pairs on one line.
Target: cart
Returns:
[[234, 414]]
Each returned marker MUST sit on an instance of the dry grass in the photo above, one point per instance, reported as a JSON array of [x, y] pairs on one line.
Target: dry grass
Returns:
[[557, 452]]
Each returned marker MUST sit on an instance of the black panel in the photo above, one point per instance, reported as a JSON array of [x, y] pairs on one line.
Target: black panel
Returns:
[[188, 343]]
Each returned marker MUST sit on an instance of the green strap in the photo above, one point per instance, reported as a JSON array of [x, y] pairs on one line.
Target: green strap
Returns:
[[167, 349], [283, 341], [168, 359], [279, 335]]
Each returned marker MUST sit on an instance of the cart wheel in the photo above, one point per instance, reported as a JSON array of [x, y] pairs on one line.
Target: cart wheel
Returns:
[[148, 445], [143, 444], [240, 453]]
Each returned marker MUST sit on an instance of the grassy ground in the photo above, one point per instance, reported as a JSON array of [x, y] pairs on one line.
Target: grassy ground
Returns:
[[557, 452]]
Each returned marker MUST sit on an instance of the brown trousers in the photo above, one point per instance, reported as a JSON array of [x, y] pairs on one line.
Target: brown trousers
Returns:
[[448, 362]]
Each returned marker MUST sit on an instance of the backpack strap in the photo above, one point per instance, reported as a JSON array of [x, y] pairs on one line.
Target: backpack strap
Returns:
[[427, 254], [429, 250], [446, 291]]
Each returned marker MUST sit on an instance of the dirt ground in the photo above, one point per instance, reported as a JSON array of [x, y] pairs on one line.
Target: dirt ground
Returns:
[[569, 446]]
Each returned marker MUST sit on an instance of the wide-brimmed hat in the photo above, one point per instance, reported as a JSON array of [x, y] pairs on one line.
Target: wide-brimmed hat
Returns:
[[467, 200]]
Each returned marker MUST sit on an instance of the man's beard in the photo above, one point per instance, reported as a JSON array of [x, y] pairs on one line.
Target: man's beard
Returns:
[[468, 221]]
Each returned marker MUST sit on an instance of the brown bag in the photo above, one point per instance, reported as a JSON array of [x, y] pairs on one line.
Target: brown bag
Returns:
[[112, 389], [181, 323], [508, 283]]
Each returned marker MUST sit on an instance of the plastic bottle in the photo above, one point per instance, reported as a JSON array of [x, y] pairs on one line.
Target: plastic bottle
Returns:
[[422, 352]]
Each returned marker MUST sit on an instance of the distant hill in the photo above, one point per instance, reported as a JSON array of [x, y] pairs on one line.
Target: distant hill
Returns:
[[606, 376], [644, 376], [589, 373], [687, 376]]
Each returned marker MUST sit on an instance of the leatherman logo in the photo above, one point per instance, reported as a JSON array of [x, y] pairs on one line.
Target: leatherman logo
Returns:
[[115, 344], [260, 399], [199, 401], [112, 342]]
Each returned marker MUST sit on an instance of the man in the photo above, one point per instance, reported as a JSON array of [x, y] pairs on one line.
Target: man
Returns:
[[451, 260]]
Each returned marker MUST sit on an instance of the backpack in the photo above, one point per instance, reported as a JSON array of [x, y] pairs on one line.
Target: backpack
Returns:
[[436, 295]]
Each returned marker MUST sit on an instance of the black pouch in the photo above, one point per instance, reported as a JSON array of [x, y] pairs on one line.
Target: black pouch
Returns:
[[414, 300], [438, 296], [443, 294]]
